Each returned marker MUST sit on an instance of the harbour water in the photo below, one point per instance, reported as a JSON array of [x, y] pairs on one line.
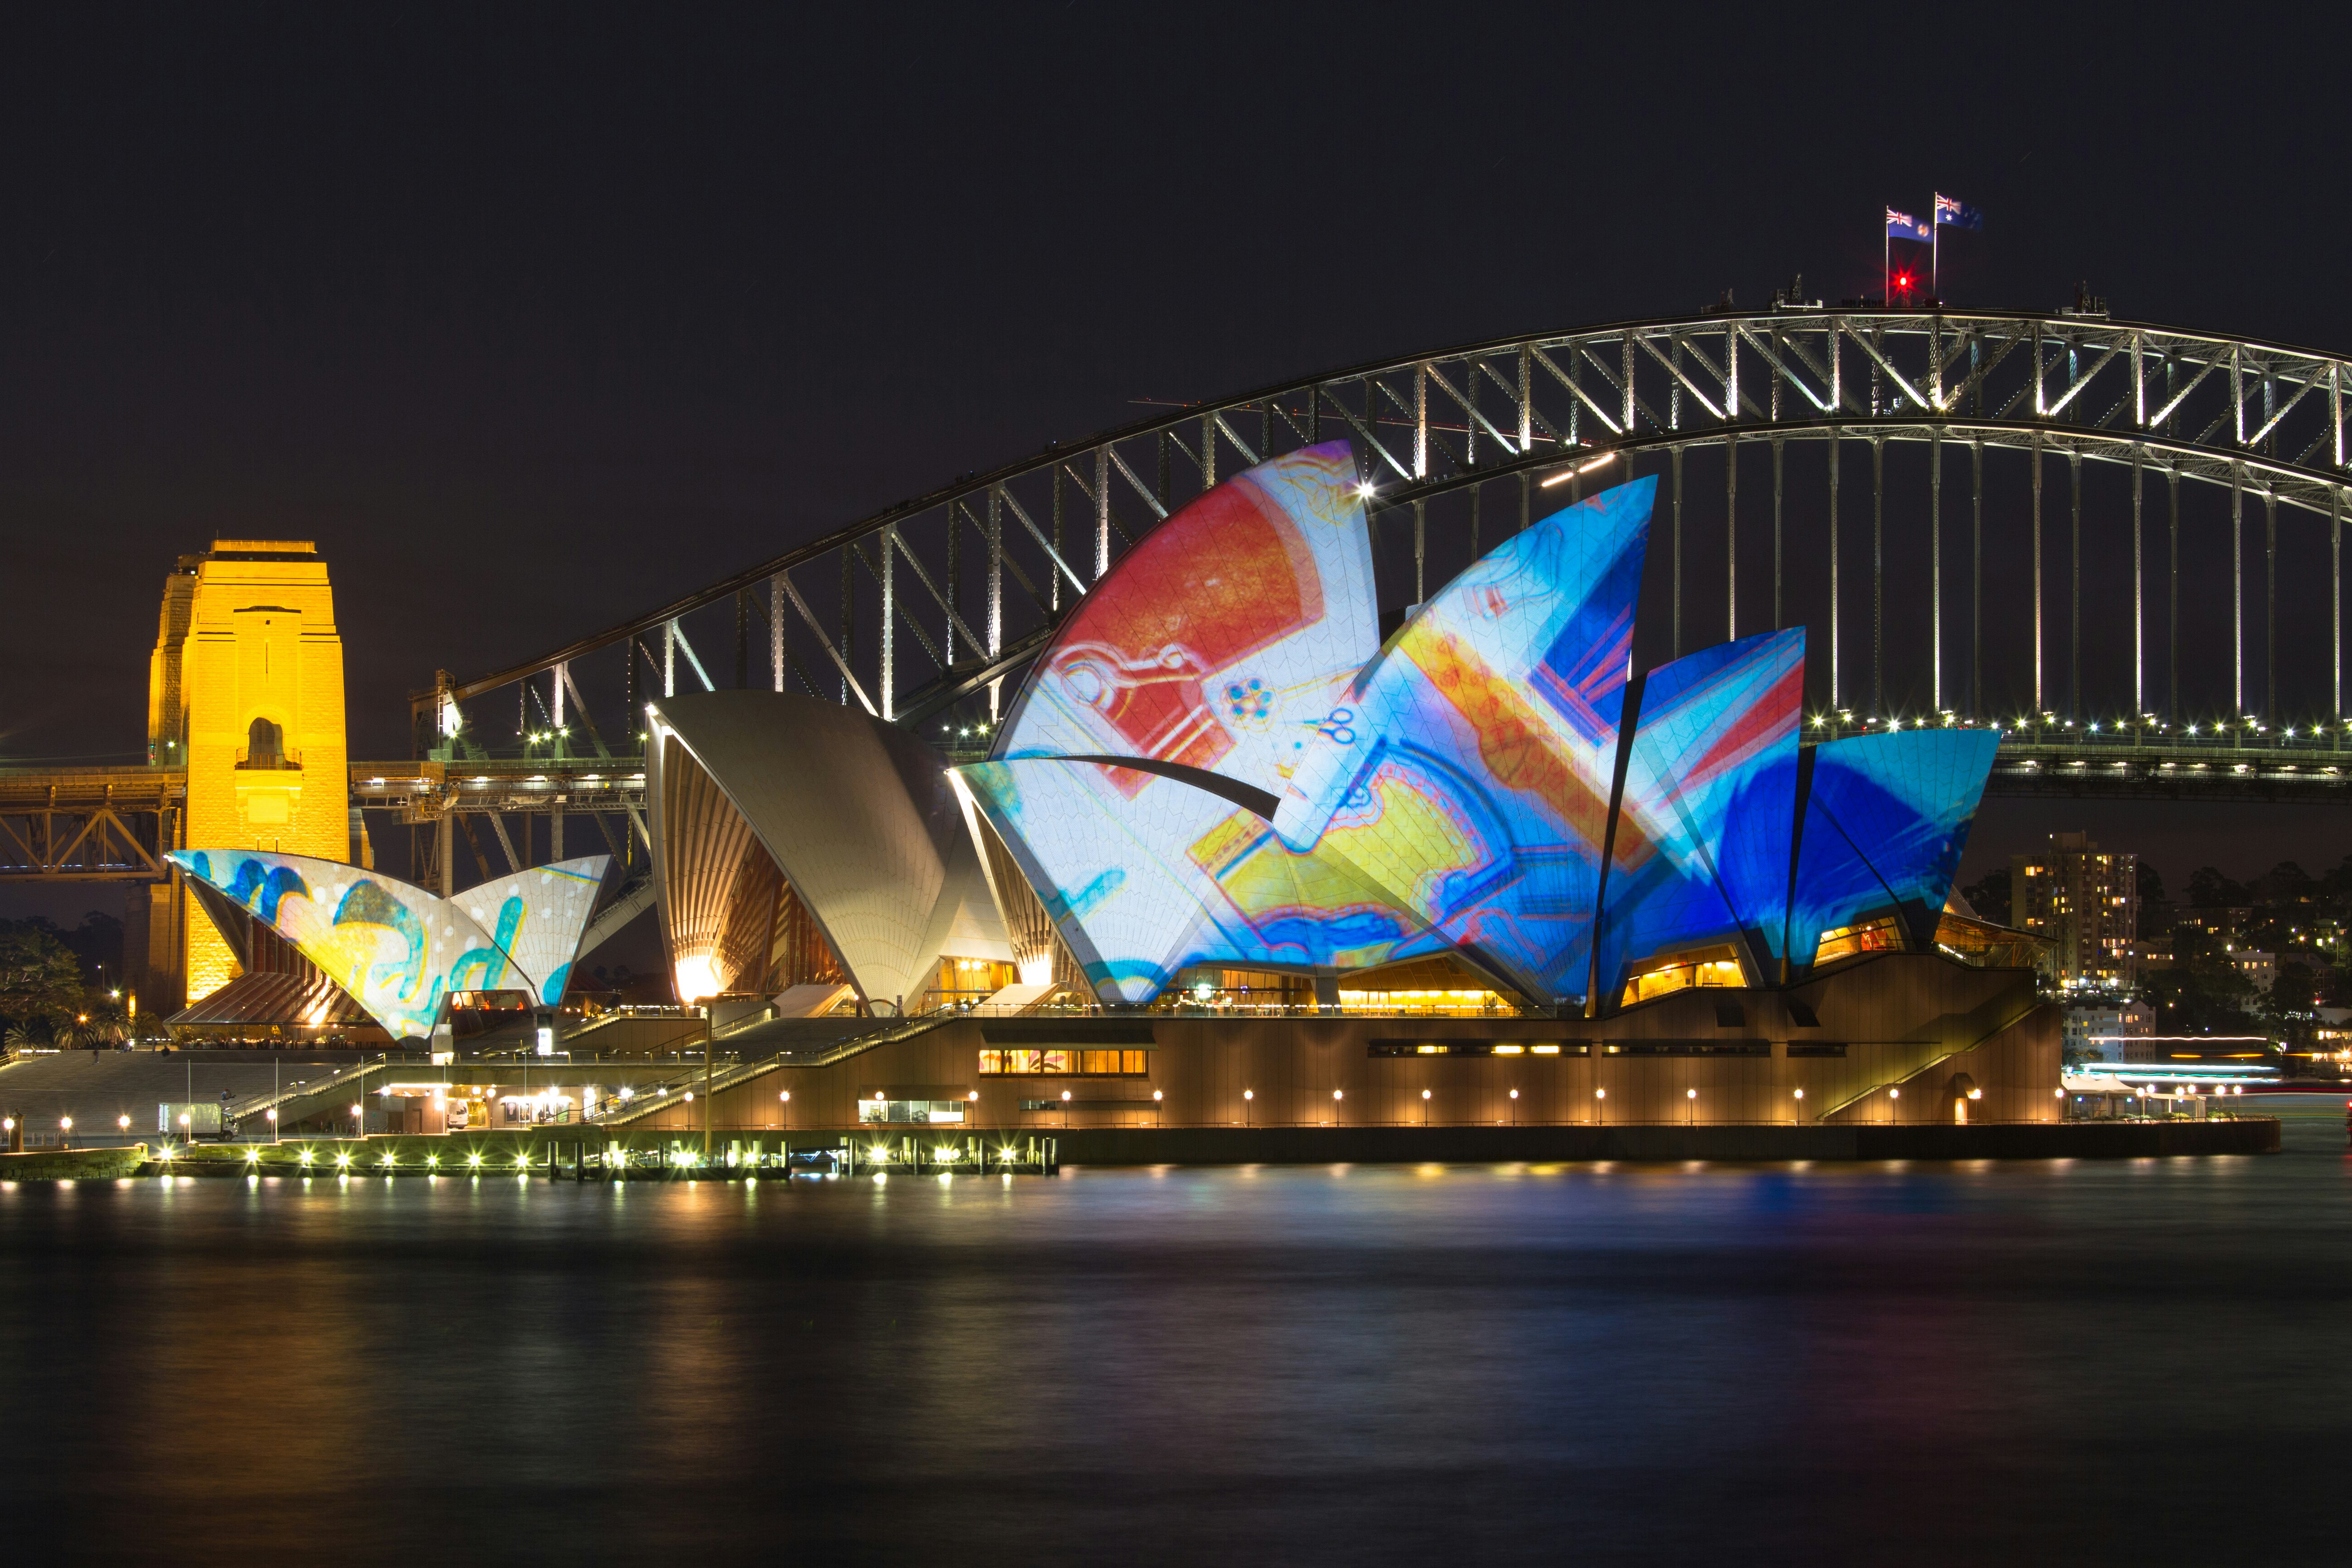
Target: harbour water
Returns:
[[2039, 1361]]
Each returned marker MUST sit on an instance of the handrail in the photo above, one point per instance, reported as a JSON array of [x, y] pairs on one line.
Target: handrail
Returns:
[[638, 1106], [1933, 1062], [255, 1104]]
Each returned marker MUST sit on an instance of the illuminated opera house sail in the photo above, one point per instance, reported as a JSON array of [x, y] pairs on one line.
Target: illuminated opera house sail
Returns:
[[402, 953], [1217, 763]]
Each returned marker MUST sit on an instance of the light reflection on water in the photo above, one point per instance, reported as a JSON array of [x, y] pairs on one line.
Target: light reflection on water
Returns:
[[1934, 1361]]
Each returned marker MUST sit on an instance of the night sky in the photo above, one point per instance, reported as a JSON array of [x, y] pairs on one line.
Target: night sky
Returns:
[[533, 318]]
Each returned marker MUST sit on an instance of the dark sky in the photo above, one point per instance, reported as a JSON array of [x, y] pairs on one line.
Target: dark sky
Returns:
[[534, 315]]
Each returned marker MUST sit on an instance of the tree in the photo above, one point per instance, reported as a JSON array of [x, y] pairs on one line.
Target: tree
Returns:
[[40, 981], [2204, 991], [2151, 885], [2209, 890], [1988, 895], [2284, 883], [2288, 1008]]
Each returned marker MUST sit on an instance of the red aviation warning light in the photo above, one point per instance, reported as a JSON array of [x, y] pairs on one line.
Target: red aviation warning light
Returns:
[[1908, 242]]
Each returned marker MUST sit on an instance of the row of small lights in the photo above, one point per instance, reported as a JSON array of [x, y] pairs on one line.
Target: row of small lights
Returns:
[[1948, 720]]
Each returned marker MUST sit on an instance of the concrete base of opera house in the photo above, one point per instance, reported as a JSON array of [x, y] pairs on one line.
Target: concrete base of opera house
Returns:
[[1888, 1039]]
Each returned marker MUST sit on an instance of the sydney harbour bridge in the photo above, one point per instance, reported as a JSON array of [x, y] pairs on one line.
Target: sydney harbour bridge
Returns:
[[2119, 543]]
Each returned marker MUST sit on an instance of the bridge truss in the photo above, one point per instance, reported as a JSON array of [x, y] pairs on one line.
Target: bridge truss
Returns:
[[1864, 471]]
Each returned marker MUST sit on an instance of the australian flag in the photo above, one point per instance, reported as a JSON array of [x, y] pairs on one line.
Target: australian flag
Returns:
[[1903, 226], [1950, 213]]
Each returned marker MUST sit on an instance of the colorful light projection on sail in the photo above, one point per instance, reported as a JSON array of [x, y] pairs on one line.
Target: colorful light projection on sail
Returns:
[[1223, 637], [1699, 857], [1886, 820], [399, 950], [1468, 769], [1141, 887], [538, 917]]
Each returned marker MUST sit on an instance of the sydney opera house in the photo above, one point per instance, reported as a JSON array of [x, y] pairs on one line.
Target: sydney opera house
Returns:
[[1233, 855]]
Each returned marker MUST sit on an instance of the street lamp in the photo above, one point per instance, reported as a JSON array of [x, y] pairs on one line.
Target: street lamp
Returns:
[[272, 1114], [1600, 1098], [64, 1130], [1424, 1108], [1515, 1108], [1247, 1095], [1157, 1097]]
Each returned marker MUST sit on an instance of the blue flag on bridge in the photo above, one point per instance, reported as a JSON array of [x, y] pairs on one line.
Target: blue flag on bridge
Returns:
[[1952, 212], [1903, 226]]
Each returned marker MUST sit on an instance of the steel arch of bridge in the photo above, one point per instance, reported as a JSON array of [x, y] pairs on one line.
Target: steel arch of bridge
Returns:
[[931, 603]]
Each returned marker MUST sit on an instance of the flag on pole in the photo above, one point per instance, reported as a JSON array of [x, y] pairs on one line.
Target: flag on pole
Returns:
[[1954, 212], [1903, 226]]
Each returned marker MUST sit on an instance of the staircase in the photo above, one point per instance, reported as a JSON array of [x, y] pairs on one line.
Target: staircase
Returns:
[[659, 1096]]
